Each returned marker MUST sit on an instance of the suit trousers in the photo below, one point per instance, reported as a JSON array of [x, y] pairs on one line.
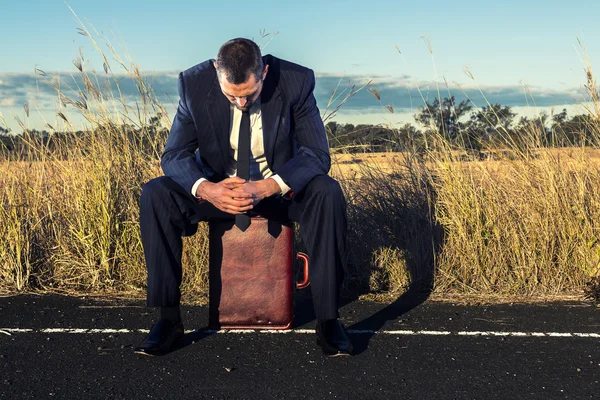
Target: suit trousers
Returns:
[[168, 212]]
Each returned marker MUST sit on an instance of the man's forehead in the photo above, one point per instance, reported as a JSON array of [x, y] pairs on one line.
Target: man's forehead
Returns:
[[250, 81], [247, 87]]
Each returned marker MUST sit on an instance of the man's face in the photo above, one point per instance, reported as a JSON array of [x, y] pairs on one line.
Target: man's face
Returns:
[[245, 94]]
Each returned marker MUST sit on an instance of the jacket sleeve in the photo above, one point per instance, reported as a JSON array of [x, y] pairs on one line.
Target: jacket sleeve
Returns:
[[311, 157], [178, 159]]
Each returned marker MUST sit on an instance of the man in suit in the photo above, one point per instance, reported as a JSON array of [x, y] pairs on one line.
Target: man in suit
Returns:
[[247, 137]]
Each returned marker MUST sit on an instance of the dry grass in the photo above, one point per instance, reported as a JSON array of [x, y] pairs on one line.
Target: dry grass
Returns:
[[507, 227], [529, 228], [525, 226]]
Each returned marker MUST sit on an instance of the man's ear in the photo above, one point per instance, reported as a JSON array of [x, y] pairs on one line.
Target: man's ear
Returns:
[[264, 74]]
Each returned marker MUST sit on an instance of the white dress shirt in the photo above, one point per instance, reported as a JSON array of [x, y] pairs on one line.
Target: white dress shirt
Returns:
[[259, 169]]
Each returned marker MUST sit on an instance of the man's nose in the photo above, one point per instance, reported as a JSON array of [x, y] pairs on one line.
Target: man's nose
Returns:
[[241, 101]]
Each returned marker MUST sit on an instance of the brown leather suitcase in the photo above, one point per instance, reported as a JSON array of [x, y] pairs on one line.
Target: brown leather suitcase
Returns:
[[251, 275]]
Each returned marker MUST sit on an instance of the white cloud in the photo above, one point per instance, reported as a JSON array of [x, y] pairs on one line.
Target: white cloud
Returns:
[[399, 91], [7, 102]]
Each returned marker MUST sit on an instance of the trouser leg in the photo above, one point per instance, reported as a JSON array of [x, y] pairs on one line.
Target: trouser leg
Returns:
[[167, 213], [321, 211]]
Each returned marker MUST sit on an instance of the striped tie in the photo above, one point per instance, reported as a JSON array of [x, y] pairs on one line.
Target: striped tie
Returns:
[[242, 221]]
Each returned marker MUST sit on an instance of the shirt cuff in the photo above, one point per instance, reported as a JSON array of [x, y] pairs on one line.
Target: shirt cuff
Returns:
[[284, 188], [195, 187]]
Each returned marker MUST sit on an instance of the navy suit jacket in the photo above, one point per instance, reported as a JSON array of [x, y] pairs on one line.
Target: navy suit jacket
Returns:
[[295, 142]]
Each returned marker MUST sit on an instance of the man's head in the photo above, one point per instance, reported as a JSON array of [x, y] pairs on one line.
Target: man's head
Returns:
[[241, 72]]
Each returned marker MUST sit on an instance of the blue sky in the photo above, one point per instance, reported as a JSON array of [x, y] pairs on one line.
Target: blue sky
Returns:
[[504, 44]]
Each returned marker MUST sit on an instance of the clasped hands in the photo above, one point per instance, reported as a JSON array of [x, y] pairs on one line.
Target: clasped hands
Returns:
[[236, 195]]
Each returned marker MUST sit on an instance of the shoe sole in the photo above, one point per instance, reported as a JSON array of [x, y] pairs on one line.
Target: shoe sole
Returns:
[[143, 353], [338, 355]]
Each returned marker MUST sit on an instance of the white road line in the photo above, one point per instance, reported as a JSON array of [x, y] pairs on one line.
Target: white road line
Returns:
[[593, 335], [11, 331]]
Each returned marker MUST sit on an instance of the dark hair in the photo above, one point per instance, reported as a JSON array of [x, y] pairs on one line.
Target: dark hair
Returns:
[[238, 58]]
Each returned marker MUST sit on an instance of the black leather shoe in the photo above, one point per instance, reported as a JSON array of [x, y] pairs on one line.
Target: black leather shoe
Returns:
[[163, 337], [332, 337]]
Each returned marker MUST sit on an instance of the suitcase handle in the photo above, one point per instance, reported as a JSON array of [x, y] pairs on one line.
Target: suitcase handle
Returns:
[[305, 282]]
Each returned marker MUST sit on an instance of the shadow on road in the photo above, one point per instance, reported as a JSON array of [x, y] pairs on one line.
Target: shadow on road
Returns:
[[193, 337], [395, 215], [409, 300]]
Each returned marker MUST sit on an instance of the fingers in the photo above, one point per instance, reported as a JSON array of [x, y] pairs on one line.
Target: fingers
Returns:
[[234, 179], [233, 182], [237, 203], [237, 194], [235, 209], [232, 186], [232, 199]]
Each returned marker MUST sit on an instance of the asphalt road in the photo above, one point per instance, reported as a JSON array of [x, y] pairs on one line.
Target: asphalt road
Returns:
[[421, 350]]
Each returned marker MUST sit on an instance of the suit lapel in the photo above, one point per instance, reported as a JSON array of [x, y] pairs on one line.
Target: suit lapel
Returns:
[[271, 106], [219, 114]]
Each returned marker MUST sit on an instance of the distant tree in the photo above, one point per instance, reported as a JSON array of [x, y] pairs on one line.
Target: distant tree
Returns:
[[331, 127], [364, 138], [581, 130], [346, 128], [560, 118], [410, 138], [532, 132], [444, 118], [558, 136], [491, 121], [337, 133]]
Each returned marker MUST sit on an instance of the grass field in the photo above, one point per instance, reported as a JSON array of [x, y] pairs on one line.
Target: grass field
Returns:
[[501, 229], [519, 227]]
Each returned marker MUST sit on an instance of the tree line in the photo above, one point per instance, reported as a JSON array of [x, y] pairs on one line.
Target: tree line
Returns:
[[494, 126]]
